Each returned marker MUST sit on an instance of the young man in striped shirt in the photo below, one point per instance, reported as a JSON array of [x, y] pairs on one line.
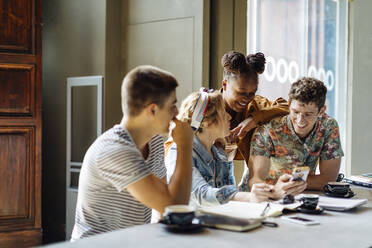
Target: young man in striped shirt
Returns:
[[123, 174]]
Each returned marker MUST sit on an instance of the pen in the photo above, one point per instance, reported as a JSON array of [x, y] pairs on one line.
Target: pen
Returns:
[[264, 212], [266, 209]]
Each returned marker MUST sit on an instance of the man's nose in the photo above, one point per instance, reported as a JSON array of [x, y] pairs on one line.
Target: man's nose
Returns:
[[300, 117]]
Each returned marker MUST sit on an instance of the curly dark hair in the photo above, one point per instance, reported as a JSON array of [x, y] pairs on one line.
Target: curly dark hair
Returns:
[[308, 90], [236, 64]]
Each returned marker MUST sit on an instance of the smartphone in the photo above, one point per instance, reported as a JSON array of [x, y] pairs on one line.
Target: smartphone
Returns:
[[300, 173], [300, 220]]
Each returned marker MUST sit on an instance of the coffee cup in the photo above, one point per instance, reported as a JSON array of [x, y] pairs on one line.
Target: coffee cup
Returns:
[[337, 188], [181, 215], [310, 201]]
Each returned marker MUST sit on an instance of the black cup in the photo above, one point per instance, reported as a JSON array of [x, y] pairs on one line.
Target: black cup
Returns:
[[337, 188], [340, 177], [181, 215], [310, 201]]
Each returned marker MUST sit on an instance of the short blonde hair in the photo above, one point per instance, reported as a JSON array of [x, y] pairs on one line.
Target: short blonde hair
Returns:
[[213, 113]]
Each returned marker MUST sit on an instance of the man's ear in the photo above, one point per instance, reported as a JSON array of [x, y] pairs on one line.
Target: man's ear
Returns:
[[322, 110], [224, 83], [152, 109]]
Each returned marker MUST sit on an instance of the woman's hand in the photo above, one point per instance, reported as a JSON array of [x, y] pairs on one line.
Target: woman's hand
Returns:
[[242, 129], [261, 192]]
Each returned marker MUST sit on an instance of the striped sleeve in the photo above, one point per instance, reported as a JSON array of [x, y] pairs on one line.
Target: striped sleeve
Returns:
[[157, 157], [122, 166]]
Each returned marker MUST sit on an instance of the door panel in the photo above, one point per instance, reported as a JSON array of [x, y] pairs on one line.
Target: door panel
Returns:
[[16, 177], [172, 35], [17, 89], [176, 52], [16, 27]]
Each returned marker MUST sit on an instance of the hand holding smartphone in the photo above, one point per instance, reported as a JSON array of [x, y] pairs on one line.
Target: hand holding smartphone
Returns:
[[300, 173]]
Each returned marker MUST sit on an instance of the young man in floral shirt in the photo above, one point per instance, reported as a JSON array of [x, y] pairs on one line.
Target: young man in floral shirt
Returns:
[[307, 136]]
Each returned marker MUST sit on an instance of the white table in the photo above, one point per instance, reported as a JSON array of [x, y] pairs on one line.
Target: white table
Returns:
[[337, 229]]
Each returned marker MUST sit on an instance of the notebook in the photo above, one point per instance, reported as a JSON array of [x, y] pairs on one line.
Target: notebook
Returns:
[[248, 210], [340, 204], [228, 223], [359, 180]]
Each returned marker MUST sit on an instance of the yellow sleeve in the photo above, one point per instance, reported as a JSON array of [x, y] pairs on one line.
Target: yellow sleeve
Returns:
[[263, 110]]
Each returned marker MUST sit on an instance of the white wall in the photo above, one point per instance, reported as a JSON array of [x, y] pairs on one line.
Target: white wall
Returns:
[[73, 45], [359, 138]]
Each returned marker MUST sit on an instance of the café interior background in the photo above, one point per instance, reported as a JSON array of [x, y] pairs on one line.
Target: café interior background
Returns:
[[186, 37]]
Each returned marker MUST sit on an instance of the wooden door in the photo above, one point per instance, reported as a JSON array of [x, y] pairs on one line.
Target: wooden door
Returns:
[[173, 35], [20, 123]]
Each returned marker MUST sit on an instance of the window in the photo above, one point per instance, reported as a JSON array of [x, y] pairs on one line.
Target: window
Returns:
[[302, 38]]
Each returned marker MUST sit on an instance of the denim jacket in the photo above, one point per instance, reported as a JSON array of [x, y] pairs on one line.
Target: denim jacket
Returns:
[[213, 182]]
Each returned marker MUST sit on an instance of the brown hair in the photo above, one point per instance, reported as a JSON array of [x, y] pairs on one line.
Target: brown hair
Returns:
[[308, 90], [145, 85], [214, 109], [236, 64]]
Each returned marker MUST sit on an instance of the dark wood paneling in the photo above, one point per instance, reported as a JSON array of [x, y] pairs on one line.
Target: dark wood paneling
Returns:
[[20, 239], [20, 123], [17, 178], [15, 58], [17, 26], [17, 89]]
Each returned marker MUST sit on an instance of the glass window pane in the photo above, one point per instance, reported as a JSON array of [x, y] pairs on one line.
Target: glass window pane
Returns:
[[321, 52], [280, 36], [301, 38]]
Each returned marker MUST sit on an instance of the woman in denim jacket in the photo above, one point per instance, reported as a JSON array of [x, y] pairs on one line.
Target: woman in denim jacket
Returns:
[[213, 181]]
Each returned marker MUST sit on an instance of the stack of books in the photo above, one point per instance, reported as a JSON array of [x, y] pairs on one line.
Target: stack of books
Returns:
[[364, 180]]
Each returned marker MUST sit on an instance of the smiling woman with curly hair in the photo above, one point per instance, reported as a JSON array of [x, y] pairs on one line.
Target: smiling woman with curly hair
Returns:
[[247, 110]]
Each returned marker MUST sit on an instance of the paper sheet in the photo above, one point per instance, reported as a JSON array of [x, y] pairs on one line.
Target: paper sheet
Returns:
[[339, 204]]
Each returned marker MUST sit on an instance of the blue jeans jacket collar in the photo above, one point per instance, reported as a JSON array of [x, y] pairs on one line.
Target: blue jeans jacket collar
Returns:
[[204, 155], [200, 150]]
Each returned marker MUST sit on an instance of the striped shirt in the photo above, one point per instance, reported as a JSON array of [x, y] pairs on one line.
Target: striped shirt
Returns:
[[111, 164]]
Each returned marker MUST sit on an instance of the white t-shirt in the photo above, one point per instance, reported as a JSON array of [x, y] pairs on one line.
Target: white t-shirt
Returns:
[[112, 163]]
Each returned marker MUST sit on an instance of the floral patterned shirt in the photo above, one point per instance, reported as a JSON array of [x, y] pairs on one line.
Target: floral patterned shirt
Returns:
[[278, 141]]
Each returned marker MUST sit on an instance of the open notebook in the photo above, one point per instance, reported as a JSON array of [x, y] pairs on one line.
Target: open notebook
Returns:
[[248, 210], [241, 216]]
